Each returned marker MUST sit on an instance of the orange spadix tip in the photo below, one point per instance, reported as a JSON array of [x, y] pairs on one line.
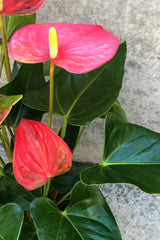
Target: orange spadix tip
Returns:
[[1, 5], [53, 43]]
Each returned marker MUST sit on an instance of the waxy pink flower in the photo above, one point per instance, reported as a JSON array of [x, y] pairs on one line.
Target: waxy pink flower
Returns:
[[80, 48], [39, 154], [19, 7]]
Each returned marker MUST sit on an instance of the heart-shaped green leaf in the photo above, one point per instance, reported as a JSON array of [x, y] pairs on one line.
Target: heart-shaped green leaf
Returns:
[[131, 155], [87, 217], [6, 103], [80, 98], [65, 182], [11, 218], [11, 191], [29, 76]]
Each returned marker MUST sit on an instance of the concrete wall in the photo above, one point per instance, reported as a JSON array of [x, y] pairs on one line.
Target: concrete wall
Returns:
[[137, 22]]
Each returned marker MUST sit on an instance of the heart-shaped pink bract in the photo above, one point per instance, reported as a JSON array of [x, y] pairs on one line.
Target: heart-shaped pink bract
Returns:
[[39, 154], [81, 48], [21, 7]]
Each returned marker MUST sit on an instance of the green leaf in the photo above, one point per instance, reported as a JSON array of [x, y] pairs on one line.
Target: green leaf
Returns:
[[118, 111], [13, 23], [8, 170], [6, 103], [80, 98], [71, 135], [29, 76], [11, 218], [15, 69], [131, 155], [46, 68], [12, 191], [65, 182], [28, 231], [87, 217]]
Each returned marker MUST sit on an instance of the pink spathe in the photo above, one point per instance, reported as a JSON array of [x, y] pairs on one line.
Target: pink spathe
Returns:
[[81, 48], [21, 7], [39, 154]]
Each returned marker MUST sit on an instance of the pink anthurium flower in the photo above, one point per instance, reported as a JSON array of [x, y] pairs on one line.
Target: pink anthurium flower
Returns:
[[19, 7], [39, 154], [78, 48]]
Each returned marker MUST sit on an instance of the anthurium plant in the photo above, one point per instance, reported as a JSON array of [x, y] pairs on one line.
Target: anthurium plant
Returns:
[[44, 193]]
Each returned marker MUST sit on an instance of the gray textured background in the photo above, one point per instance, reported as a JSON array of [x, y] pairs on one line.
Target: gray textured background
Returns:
[[137, 22]]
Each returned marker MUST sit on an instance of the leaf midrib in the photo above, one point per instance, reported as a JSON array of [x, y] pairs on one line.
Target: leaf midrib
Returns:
[[82, 92]]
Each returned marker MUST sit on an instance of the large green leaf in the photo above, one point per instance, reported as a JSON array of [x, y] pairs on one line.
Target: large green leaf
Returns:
[[71, 135], [82, 97], [131, 155], [118, 111], [13, 23], [65, 182], [29, 76], [87, 217], [11, 218], [11, 191], [46, 68], [28, 231]]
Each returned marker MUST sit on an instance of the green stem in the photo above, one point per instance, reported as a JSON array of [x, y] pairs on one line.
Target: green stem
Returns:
[[51, 93], [6, 145], [1, 172], [79, 137], [10, 130], [4, 133], [3, 34], [2, 162], [46, 187], [64, 127], [63, 198]]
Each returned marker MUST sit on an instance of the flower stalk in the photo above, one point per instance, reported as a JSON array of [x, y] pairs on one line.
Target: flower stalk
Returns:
[[5, 142], [51, 90], [2, 162], [63, 198], [46, 188], [1, 172], [4, 40], [64, 127]]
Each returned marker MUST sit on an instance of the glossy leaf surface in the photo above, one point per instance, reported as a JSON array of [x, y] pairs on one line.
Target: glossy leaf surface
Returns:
[[71, 136], [87, 217], [13, 23], [118, 111], [81, 98], [81, 47], [11, 191], [11, 218], [131, 155], [39, 154], [21, 7], [29, 76], [6, 103], [65, 182], [28, 231]]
